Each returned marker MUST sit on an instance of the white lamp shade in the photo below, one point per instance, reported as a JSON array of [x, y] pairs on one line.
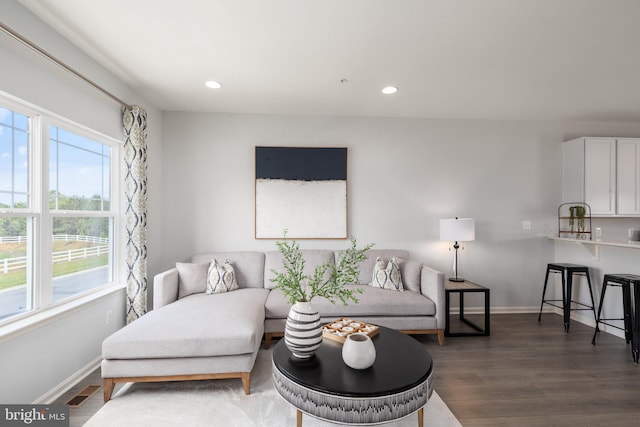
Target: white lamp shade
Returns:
[[458, 229]]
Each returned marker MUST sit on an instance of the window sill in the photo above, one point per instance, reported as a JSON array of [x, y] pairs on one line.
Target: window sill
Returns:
[[39, 318]]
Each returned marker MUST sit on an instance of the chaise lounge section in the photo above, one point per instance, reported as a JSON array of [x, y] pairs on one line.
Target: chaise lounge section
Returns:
[[195, 336]]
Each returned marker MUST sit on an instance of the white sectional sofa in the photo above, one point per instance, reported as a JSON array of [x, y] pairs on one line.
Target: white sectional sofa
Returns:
[[192, 335]]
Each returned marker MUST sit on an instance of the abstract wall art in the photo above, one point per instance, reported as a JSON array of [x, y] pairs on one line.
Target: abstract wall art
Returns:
[[302, 190]]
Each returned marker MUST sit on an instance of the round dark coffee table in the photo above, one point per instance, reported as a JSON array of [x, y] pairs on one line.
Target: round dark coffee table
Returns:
[[398, 384]]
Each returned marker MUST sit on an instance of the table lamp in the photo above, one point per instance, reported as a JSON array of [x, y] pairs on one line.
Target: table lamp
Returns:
[[457, 230]]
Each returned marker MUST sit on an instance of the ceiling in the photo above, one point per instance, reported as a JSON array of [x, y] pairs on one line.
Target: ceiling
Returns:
[[489, 59]]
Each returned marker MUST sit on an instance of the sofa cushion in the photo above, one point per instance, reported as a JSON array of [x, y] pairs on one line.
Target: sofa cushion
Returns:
[[198, 325], [387, 276], [312, 258], [410, 272], [221, 278], [192, 278], [248, 266], [373, 302], [366, 268]]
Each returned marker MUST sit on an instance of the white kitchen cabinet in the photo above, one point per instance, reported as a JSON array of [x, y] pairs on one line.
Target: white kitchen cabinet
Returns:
[[628, 177], [604, 173]]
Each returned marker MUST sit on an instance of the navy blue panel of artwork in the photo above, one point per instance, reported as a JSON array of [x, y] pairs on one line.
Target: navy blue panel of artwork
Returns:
[[301, 163]]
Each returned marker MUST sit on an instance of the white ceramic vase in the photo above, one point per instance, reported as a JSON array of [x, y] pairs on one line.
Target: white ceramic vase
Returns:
[[358, 351], [303, 331]]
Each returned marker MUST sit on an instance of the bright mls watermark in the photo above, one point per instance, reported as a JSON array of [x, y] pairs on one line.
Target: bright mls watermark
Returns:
[[54, 415]]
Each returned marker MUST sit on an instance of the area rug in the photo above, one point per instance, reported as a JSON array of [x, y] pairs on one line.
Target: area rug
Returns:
[[222, 403]]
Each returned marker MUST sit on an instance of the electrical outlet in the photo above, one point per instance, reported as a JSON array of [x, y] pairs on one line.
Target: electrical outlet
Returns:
[[109, 318], [526, 225]]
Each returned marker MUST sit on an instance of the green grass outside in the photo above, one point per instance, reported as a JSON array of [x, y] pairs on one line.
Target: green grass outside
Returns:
[[19, 277]]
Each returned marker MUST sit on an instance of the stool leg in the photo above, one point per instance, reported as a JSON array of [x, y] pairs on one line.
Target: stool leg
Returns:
[[566, 297], [626, 303], [636, 322], [544, 290], [604, 290], [593, 303]]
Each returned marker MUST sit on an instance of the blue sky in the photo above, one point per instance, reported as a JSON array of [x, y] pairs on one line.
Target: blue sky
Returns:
[[78, 166], [8, 157]]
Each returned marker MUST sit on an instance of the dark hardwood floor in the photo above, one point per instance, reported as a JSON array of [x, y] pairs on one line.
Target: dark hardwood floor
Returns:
[[525, 374], [533, 374]]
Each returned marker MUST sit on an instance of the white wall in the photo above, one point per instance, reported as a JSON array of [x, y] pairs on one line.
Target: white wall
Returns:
[[36, 363], [403, 176]]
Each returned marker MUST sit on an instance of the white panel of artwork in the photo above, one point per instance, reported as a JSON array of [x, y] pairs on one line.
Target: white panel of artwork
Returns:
[[303, 208]]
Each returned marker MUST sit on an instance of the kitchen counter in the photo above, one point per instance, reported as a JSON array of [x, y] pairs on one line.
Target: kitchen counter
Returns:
[[593, 246]]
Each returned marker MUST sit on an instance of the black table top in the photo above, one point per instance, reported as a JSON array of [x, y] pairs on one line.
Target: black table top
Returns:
[[401, 363]]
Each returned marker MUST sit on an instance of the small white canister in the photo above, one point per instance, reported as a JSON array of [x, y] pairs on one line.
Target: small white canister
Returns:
[[358, 351]]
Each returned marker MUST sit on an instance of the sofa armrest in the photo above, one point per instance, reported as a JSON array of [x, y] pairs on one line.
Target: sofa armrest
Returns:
[[432, 286], [165, 288]]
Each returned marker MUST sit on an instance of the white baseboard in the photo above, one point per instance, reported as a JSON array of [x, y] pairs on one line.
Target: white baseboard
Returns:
[[55, 393], [578, 317]]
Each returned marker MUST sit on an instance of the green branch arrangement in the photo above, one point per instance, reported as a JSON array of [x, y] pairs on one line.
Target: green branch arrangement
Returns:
[[297, 286]]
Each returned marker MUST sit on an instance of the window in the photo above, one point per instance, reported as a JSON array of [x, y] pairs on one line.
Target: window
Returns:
[[57, 210], [79, 171]]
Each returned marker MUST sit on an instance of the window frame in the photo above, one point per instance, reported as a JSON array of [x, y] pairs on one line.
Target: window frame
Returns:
[[40, 216]]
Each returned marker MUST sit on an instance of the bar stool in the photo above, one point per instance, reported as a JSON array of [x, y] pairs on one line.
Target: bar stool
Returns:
[[567, 271], [630, 305]]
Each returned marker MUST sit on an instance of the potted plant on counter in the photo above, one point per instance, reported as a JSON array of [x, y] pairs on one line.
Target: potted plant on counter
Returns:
[[576, 217]]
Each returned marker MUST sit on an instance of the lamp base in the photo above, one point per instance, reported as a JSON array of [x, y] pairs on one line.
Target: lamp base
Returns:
[[456, 279]]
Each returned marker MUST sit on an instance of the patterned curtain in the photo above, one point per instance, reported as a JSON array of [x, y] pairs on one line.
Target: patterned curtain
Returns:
[[134, 122]]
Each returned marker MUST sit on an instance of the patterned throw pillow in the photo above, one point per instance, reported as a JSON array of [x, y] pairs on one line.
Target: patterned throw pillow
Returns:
[[387, 277], [221, 278]]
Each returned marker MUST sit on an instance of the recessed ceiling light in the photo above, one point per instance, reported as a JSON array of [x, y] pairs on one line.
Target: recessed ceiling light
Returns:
[[212, 84], [389, 90]]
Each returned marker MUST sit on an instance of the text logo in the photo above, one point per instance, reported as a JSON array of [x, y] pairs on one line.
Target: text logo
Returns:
[[54, 415]]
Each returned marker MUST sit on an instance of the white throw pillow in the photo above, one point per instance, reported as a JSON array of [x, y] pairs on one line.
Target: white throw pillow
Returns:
[[221, 278], [387, 277], [192, 278], [411, 274]]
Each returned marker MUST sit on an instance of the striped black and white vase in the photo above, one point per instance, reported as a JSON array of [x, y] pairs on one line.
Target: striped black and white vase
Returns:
[[303, 331]]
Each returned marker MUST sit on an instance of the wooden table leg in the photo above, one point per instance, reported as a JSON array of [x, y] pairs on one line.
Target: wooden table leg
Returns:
[[298, 418], [421, 417]]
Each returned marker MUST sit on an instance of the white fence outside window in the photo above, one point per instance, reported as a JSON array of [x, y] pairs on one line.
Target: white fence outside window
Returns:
[[17, 263]]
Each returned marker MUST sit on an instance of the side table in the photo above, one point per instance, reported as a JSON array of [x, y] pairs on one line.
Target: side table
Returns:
[[461, 288]]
